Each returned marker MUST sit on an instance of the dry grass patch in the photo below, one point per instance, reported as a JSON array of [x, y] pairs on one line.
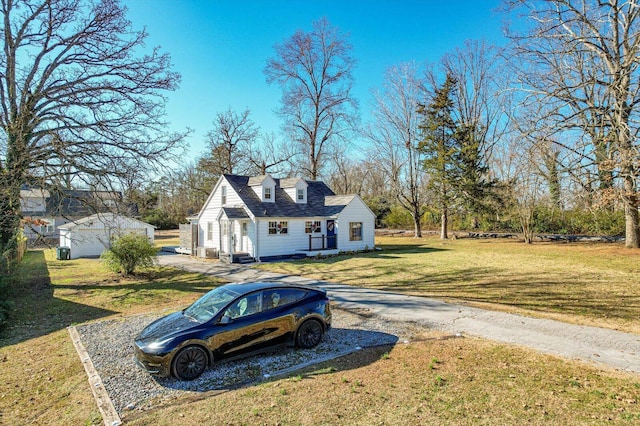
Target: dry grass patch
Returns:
[[591, 284], [451, 381], [457, 381], [169, 237], [41, 378]]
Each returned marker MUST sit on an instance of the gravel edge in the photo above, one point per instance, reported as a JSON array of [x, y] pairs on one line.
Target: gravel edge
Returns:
[[109, 344]]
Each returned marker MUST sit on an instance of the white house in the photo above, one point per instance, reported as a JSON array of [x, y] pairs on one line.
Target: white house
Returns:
[[90, 236], [263, 218], [45, 211]]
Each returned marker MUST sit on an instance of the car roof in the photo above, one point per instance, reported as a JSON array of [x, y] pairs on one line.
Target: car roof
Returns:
[[248, 287]]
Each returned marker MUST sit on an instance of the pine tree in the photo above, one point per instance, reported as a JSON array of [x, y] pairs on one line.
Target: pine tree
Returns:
[[441, 148]]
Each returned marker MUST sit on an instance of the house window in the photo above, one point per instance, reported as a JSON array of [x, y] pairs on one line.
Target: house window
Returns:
[[224, 194], [267, 193], [312, 226], [47, 227], [278, 227], [300, 194], [209, 231], [355, 231]]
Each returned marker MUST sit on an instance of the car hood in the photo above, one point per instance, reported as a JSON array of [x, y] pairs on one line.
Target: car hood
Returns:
[[166, 327]]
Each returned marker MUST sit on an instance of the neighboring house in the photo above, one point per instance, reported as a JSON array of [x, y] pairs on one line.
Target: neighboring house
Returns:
[[45, 211], [262, 218], [90, 236]]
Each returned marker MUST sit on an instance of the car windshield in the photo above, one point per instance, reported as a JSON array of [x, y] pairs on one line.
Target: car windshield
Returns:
[[210, 304]]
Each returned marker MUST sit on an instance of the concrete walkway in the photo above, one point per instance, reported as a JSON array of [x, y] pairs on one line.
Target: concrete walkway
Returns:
[[601, 346]]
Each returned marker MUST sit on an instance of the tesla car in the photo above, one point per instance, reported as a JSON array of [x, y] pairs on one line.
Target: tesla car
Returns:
[[229, 321]]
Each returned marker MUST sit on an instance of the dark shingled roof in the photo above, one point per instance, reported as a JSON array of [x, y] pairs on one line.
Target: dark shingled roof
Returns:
[[235, 213], [283, 206]]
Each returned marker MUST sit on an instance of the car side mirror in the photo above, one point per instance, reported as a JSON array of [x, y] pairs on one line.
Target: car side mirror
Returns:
[[225, 320]]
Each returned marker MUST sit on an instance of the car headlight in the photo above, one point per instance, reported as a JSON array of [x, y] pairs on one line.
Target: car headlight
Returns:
[[158, 344]]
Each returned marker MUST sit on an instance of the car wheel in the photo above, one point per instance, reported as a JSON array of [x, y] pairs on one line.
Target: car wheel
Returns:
[[189, 363], [309, 334]]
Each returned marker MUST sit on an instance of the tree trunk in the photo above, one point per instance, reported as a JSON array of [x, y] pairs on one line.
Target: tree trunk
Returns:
[[9, 219], [632, 230], [11, 178], [416, 223], [444, 224]]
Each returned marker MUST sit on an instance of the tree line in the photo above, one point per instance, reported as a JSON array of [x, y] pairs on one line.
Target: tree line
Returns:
[[536, 135]]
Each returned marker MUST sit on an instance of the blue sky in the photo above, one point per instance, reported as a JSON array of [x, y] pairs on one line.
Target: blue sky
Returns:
[[221, 46]]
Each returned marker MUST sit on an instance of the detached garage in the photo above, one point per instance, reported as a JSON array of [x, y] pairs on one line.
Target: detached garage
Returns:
[[90, 236]]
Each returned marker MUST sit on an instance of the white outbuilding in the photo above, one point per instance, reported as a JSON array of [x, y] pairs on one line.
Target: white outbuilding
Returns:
[[90, 236]]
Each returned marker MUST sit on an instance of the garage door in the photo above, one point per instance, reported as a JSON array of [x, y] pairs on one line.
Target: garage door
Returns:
[[89, 243]]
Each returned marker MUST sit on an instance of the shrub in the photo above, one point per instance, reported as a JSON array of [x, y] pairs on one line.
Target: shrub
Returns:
[[161, 220], [128, 253]]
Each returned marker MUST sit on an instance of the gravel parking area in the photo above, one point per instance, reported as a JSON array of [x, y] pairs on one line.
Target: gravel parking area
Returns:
[[110, 346]]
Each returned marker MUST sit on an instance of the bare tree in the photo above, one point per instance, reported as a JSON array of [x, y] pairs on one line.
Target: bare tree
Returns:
[[346, 175], [393, 133], [228, 143], [267, 154], [314, 72], [582, 59], [77, 98]]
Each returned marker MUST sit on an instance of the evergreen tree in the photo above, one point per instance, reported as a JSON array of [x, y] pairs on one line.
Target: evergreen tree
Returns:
[[442, 149]]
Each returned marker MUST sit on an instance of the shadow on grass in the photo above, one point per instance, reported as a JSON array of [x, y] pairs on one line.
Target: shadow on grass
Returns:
[[548, 292], [386, 252], [541, 292], [248, 370], [37, 311], [157, 280]]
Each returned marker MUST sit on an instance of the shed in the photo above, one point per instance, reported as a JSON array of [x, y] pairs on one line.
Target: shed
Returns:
[[90, 236]]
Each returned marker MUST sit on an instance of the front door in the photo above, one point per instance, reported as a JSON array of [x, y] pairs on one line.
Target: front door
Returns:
[[244, 236], [332, 234]]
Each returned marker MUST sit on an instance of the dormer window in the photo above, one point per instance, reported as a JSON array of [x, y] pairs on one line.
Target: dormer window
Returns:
[[264, 187], [300, 195]]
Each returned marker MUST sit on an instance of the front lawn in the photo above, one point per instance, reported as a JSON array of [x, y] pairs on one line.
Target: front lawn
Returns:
[[432, 379], [590, 284]]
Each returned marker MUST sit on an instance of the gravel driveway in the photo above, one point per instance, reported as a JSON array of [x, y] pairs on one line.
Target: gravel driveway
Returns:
[[110, 346], [602, 346]]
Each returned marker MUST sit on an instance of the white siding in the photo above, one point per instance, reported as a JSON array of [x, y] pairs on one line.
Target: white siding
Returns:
[[356, 211], [210, 213], [90, 236]]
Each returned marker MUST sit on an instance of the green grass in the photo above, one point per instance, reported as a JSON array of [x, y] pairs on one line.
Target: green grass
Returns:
[[594, 284], [41, 378], [430, 380]]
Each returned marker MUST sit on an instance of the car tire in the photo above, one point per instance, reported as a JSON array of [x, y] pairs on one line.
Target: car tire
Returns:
[[309, 334], [189, 363]]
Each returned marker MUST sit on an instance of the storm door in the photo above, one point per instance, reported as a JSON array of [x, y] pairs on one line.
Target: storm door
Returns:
[[332, 234]]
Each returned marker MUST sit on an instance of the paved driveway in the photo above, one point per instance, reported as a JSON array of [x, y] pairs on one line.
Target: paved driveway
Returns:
[[601, 346]]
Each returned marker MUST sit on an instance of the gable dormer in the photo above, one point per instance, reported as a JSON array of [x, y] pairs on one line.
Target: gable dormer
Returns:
[[296, 188], [264, 187]]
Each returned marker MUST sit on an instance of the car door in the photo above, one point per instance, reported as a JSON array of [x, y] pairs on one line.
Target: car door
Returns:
[[281, 314], [243, 331]]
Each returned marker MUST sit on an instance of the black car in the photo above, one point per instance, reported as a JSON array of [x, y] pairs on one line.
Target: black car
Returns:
[[232, 320]]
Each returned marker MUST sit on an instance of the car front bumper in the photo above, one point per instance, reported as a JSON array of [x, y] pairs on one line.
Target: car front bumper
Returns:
[[157, 365]]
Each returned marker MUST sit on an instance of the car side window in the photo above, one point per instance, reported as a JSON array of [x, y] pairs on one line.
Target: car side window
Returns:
[[245, 306], [281, 297]]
